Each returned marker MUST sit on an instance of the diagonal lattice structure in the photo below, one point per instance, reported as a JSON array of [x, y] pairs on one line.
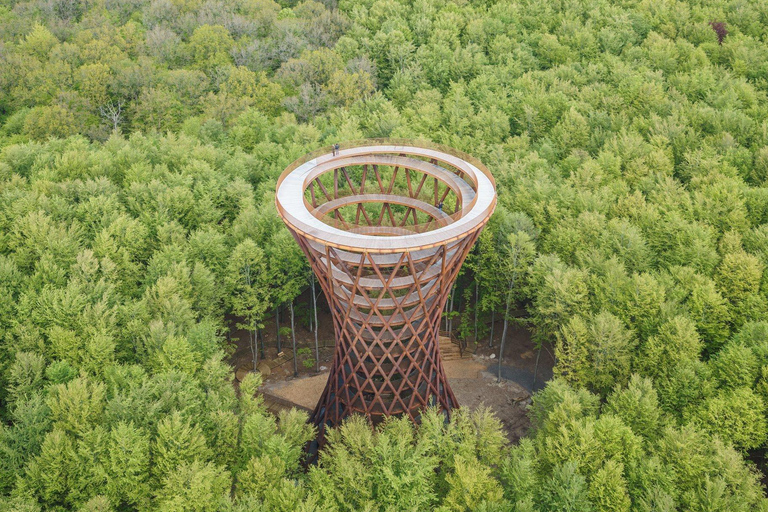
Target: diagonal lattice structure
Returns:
[[386, 226]]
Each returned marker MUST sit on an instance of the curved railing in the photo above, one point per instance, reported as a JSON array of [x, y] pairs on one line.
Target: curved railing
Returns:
[[473, 182], [416, 143]]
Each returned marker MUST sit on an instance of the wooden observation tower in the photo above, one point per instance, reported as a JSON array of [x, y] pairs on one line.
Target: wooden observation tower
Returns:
[[386, 225]]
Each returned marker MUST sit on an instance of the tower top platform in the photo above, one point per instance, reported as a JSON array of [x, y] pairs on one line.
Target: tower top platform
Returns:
[[411, 180]]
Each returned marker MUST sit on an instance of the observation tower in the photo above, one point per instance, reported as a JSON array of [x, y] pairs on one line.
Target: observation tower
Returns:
[[386, 225]]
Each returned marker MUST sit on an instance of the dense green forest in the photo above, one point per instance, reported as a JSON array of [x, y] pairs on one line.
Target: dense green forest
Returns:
[[140, 141]]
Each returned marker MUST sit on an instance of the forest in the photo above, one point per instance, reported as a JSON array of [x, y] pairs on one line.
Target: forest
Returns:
[[140, 143]]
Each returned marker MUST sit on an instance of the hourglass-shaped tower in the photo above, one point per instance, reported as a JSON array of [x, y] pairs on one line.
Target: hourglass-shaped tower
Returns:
[[386, 226]]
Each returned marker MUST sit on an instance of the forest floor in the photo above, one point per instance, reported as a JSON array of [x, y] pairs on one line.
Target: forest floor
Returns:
[[473, 378], [471, 383]]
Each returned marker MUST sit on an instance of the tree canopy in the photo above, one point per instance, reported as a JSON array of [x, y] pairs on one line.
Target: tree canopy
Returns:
[[140, 142]]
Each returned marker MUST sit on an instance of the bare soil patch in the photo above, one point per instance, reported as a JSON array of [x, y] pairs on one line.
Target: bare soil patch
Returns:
[[472, 378], [519, 362], [473, 386]]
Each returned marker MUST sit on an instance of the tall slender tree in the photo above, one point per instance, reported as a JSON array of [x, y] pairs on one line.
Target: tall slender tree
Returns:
[[290, 274], [248, 289], [518, 254]]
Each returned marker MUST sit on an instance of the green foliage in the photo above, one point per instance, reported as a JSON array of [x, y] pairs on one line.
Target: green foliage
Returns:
[[129, 466], [139, 147], [676, 342], [210, 46], [608, 490], [177, 442], [400, 467], [596, 461], [738, 415], [597, 352], [637, 406], [567, 490], [735, 366], [471, 486], [306, 357], [194, 486], [739, 275], [391, 468]]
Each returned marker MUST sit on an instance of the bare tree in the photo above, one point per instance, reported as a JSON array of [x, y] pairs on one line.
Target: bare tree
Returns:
[[113, 113], [310, 101], [163, 43]]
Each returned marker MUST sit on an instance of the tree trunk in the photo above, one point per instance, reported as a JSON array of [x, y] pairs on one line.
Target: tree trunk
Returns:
[[493, 323], [261, 347], [536, 369], [476, 306], [254, 348], [317, 345], [503, 337], [450, 319], [295, 356], [277, 325]]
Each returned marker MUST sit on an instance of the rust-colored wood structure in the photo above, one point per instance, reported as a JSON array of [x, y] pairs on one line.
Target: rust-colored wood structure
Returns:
[[386, 225]]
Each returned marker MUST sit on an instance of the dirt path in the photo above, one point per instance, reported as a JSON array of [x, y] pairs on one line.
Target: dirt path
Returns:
[[471, 383]]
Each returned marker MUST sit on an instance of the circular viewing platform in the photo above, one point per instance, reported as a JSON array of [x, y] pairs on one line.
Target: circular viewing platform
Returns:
[[385, 196]]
